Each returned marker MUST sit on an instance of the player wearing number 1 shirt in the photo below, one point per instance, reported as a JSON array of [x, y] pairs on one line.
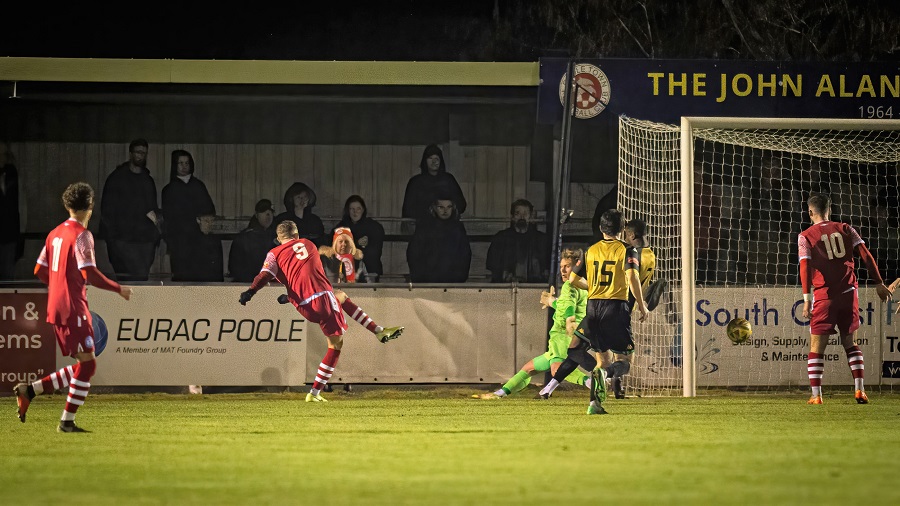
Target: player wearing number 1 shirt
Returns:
[[828, 277], [66, 265], [296, 265]]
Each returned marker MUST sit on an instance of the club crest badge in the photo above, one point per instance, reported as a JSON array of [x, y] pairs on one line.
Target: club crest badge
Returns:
[[591, 89]]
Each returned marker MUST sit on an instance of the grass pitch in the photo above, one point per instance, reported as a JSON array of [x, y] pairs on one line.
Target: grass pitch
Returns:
[[385, 446]]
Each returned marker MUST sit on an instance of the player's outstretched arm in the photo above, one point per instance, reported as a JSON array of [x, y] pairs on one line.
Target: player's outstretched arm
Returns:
[[96, 278], [884, 293], [547, 298], [893, 288], [634, 279], [261, 280], [577, 281]]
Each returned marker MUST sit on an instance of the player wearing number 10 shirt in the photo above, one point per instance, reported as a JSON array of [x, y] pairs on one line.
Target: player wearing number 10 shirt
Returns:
[[296, 265], [827, 272]]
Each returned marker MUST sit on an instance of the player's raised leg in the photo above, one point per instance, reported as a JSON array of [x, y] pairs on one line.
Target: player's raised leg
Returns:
[[25, 392], [616, 370], [383, 334]]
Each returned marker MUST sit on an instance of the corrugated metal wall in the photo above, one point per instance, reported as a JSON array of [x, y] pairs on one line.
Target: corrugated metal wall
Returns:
[[248, 145], [239, 175]]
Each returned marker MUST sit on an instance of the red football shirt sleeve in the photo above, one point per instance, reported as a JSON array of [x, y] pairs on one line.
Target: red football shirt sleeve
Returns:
[[43, 273], [270, 265], [805, 255], [42, 258], [855, 238], [96, 278], [869, 260], [262, 279], [84, 250], [42, 268]]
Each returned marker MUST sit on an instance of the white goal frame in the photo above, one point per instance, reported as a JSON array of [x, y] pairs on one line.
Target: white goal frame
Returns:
[[688, 281]]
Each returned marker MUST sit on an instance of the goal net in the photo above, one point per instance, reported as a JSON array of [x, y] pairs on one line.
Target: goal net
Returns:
[[725, 199]]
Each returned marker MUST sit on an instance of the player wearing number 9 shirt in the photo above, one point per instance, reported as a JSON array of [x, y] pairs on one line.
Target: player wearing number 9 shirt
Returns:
[[296, 265], [828, 277]]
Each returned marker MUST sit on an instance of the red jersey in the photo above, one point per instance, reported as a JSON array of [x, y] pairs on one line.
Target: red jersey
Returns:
[[828, 247], [68, 249], [297, 266]]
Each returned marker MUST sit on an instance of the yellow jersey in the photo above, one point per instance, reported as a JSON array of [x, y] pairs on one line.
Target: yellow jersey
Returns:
[[648, 265], [606, 263]]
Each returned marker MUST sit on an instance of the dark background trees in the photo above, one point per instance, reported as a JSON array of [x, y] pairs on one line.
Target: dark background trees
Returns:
[[466, 30]]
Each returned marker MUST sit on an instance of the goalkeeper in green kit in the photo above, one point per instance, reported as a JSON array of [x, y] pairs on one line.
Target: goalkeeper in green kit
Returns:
[[572, 301]]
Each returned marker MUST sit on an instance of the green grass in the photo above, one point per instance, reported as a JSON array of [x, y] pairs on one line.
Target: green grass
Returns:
[[440, 447]]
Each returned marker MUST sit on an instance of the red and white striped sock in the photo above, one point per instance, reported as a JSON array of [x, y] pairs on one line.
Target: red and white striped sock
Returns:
[[55, 381], [78, 389], [815, 367], [326, 369], [360, 316], [857, 368]]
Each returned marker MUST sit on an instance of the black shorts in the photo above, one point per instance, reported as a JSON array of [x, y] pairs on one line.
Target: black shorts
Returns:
[[581, 354], [607, 326]]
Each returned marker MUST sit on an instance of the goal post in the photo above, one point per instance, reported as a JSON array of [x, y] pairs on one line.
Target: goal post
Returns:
[[724, 199]]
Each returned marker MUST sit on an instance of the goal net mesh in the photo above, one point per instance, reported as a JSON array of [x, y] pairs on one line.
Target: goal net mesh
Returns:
[[750, 191]]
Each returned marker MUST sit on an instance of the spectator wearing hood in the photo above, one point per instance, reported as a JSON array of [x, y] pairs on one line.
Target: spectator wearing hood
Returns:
[[439, 250], [299, 199], [368, 234], [521, 252], [434, 181], [249, 248], [184, 200]]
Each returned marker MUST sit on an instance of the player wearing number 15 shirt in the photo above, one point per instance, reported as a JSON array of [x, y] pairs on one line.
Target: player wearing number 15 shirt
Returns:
[[827, 273], [612, 268]]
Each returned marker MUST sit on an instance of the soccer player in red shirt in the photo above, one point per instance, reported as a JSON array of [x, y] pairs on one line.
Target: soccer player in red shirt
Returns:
[[296, 265], [827, 273], [66, 265]]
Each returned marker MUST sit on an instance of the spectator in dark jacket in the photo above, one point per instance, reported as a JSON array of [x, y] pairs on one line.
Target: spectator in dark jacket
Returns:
[[249, 248], [439, 250], [11, 239], [434, 181], [184, 200], [129, 216], [368, 235], [299, 199], [206, 254], [521, 252]]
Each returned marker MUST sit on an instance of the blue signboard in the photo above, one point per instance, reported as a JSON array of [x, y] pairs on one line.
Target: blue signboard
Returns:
[[665, 90]]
